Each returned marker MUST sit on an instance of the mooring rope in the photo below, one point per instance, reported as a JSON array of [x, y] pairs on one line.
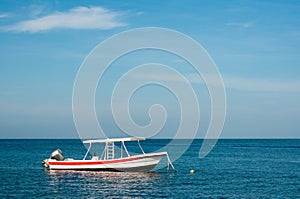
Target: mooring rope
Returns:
[[170, 163]]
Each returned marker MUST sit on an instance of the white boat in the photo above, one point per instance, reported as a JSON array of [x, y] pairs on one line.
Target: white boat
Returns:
[[109, 161]]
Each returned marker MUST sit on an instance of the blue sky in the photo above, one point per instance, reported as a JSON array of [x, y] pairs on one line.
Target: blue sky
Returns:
[[255, 44]]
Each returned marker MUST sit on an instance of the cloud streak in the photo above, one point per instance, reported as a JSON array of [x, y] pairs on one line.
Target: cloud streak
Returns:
[[252, 84], [263, 85], [3, 15], [232, 82], [248, 24], [75, 18]]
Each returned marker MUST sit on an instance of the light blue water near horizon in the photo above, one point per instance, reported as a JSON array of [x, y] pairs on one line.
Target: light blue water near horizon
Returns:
[[236, 168]]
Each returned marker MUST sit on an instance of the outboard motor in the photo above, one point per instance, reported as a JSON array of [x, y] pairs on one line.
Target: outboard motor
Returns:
[[57, 155]]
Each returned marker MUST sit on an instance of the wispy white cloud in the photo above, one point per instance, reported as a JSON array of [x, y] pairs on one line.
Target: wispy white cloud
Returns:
[[139, 13], [256, 84], [35, 10], [3, 15], [251, 84], [231, 82], [156, 77], [240, 25], [75, 18]]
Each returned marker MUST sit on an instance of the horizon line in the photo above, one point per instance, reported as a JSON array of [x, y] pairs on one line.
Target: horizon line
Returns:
[[163, 138]]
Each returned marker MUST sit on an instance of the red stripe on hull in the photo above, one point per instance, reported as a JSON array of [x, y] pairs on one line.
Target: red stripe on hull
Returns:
[[92, 162]]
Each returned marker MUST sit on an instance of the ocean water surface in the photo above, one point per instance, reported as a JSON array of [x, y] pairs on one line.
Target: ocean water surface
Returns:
[[236, 168]]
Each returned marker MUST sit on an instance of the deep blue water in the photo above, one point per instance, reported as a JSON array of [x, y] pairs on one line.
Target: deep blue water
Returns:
[[234, 169]]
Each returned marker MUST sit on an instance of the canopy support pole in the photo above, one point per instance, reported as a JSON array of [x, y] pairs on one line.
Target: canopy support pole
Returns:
[[141, 147], [121, 151], [125, 148], [87, 151], [103, 154]]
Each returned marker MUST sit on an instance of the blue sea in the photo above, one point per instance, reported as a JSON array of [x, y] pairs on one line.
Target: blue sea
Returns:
[[235, 168]]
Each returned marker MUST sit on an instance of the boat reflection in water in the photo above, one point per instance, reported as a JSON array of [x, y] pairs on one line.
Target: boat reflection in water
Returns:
[[106, 184]]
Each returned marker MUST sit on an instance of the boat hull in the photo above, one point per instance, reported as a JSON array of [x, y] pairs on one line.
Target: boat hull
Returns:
[[138, 163]]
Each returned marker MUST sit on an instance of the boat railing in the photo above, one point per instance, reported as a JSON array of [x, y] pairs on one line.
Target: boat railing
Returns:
[[109, 149]]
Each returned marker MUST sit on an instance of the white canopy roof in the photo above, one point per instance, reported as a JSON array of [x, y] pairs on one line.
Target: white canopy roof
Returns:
[[114, 140]]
